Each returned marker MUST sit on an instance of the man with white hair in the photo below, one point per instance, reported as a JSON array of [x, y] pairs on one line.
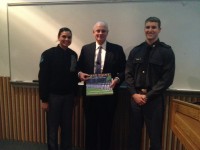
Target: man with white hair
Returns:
[[99, 110]]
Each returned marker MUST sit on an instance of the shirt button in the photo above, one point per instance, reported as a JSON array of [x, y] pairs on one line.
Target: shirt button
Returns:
[[143, 71]]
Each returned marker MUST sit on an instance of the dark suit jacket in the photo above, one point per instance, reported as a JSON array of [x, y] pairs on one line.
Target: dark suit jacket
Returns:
[[115, 60]]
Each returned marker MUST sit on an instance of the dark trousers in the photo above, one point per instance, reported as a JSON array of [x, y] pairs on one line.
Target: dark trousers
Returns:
[[99, 114], [152, 114], [60, 115]]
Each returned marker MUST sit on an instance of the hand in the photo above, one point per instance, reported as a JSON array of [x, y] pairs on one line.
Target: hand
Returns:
[[114, 82], [45, 106], [139, 99], [144, 97], [83, 76]]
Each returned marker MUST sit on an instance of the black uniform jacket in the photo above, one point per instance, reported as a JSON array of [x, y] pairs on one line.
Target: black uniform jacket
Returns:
[[159, 70], [115, 60], [57, 74]]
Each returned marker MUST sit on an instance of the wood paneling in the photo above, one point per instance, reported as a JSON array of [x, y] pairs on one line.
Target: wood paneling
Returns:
[[185, 123]]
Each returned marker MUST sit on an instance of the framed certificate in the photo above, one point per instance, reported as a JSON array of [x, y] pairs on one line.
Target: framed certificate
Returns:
[[99, 84]]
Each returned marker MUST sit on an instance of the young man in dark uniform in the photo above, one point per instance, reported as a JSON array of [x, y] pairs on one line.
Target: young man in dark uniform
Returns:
[[149, 72]]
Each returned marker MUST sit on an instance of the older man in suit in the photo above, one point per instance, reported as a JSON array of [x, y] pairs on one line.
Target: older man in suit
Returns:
[[99, 110]]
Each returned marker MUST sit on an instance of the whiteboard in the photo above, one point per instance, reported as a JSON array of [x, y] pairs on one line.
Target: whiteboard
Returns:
[[34, 28]]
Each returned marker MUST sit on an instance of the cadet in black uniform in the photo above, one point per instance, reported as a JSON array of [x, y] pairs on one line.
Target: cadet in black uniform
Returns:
[[58, 83], [149, 72]]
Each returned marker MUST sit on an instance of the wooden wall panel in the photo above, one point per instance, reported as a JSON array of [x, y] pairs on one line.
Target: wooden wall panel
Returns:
[[2, 121], [5, 108], [23, 120], [185, 123]]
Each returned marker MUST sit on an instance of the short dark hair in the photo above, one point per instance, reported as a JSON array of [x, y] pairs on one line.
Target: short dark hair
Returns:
[[154, 19], [64, 29]]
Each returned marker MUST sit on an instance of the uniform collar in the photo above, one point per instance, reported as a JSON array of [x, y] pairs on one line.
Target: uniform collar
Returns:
[[154, 44], [61, 48]]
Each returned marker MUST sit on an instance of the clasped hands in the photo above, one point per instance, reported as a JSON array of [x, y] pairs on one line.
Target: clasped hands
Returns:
[[140, 99]]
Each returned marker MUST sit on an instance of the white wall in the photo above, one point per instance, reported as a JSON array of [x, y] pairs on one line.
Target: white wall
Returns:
[[4, 52], [4, 45]]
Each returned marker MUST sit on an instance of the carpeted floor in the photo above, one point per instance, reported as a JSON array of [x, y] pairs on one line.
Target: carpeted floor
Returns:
[[14, 145]]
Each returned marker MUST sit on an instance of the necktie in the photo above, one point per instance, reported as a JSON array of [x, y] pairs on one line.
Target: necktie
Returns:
[[98, 62]]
